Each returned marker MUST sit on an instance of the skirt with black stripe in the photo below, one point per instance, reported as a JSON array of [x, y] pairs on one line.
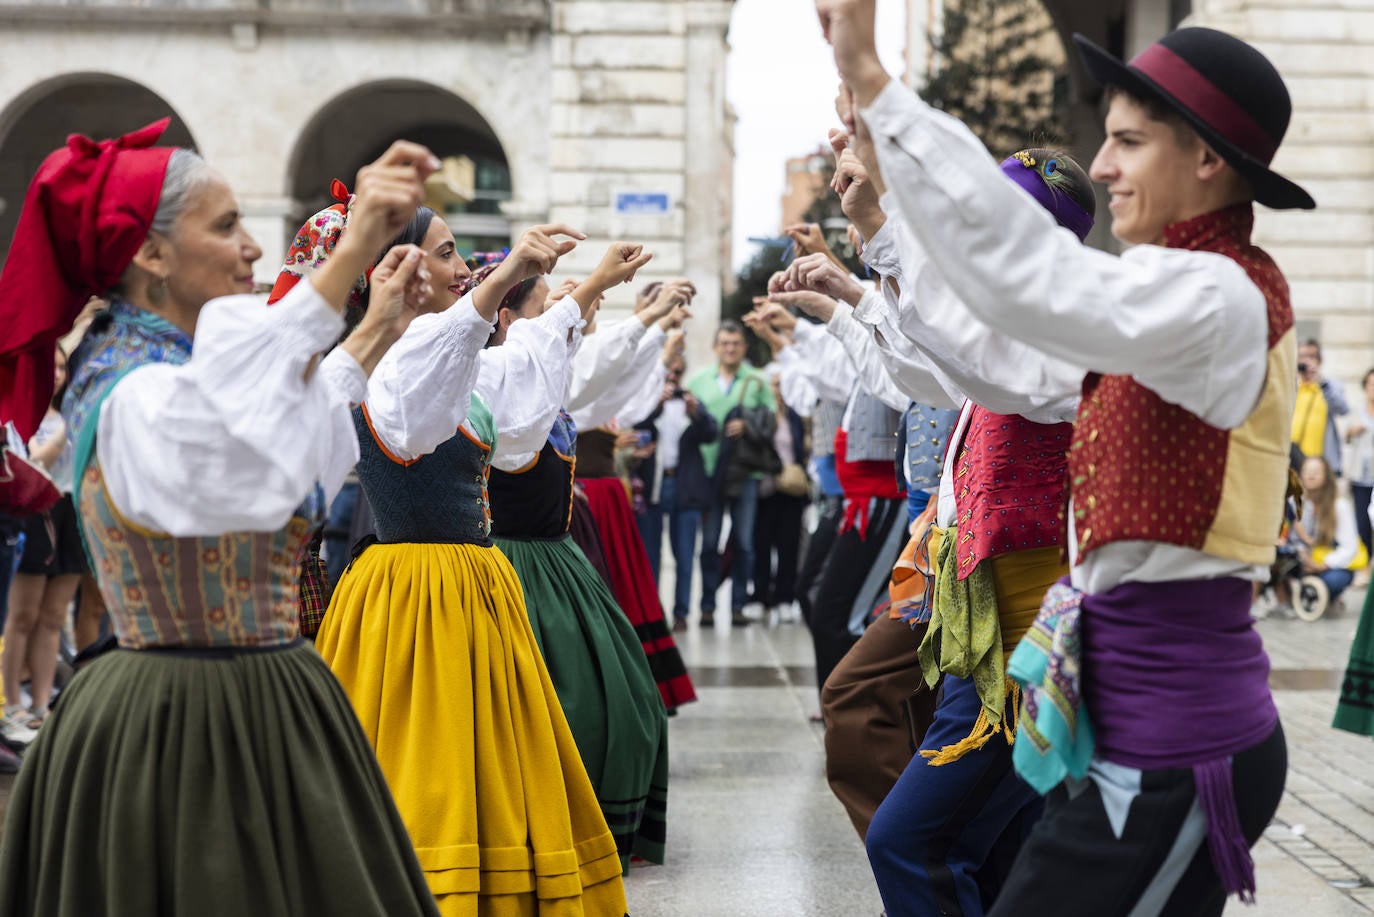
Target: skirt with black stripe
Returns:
[[1355, 709], [632, 582], [604, 686]]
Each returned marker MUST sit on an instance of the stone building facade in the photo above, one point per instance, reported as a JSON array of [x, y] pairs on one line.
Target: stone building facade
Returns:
[[609, 115], [1323, 49]]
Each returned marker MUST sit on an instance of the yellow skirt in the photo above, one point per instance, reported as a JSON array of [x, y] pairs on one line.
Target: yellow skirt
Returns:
[[433, 647]]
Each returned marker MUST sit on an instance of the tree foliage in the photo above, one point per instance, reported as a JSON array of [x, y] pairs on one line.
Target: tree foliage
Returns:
[[997, 65]]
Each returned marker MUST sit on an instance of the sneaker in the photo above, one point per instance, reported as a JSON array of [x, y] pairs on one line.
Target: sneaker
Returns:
[[679, 625], [739, 619], [708, 617], [14, 726]]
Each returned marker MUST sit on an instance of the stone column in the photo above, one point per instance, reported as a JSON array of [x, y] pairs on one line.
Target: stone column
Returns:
[[710, 168]]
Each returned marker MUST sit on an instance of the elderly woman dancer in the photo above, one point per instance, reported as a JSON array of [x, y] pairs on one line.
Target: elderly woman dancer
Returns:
[[428, 631], [211, 764]]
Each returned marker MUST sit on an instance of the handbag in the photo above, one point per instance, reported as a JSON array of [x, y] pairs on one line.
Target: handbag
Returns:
[[793, 480], [25, 488], [753, 451]]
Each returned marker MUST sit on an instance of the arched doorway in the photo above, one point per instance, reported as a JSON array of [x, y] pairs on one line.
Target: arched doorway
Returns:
[[355, 128], [38, 121]]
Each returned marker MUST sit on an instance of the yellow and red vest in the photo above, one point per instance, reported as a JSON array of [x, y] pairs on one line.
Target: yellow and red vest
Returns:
[[1144, 469]]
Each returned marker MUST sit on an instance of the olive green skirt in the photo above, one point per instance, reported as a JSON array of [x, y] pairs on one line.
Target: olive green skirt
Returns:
[[212, 783]]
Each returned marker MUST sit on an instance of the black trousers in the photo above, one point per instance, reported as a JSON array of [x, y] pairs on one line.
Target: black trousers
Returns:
[[817, 550], [842, 577], [777, 529], [1074, 865]]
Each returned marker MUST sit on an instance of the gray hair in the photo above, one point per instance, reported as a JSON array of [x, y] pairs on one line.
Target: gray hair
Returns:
[[186, 173]]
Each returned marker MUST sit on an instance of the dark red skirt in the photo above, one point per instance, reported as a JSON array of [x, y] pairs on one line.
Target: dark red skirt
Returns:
[[632, 583]]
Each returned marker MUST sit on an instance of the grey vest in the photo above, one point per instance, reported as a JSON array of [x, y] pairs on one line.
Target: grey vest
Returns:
[[872, 429]]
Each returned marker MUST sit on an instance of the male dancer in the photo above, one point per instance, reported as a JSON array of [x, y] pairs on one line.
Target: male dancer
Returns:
[[1178, 465]]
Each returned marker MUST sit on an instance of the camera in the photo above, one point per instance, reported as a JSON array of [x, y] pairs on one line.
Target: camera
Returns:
[[1303, 367]]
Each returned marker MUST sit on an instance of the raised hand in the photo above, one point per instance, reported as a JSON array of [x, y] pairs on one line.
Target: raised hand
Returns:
[[816, 305], [556, 296], [399, 286], [808, 237], [768, 314], [669, 307], [818, 274], [399, 291], [387, 192], [537, 252], [849, 27], [859, 196], [619, 265]]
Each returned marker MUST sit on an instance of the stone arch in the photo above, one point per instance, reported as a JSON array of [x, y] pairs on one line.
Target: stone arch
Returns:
[[38, 120], [356, 126]]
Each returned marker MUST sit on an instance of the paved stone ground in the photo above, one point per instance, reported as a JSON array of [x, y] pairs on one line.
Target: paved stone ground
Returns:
[[1325, 823], [753, 829]]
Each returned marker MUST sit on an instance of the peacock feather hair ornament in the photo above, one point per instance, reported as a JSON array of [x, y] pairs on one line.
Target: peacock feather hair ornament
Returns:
[[1057, 183]]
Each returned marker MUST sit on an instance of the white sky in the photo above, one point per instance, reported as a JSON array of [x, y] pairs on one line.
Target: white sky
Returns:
[[782, 82]]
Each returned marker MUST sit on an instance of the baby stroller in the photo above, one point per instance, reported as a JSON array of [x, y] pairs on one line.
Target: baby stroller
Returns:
[[1309, 594]]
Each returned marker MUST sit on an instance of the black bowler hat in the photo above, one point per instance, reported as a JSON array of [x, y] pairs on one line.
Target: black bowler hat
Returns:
[[1228, 91]]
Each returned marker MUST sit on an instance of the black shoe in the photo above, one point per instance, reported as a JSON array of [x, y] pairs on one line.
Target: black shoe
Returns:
[[740, 619], [9, 759], [679, 625], [708, 618]]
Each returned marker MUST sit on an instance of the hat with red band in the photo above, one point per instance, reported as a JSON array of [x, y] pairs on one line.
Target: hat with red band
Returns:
[[86, 213], [1226, 90]]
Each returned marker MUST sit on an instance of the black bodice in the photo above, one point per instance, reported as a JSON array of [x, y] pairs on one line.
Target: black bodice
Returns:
[[536, 502], [440, 497]]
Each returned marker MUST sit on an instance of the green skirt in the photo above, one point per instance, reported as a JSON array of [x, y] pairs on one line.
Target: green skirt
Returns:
[[1355, 709], [605, 687], [215, 783]]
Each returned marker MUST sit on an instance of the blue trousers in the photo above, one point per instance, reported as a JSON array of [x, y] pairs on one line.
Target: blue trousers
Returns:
[[650, 523], [944, 838], [683, 524], [743, 511], [1337, 581]]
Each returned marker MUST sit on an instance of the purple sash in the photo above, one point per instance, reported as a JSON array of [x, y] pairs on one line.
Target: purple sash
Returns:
[[1175, 676]]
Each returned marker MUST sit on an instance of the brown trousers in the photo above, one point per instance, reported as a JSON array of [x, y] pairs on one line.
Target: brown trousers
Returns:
[[877, 709]]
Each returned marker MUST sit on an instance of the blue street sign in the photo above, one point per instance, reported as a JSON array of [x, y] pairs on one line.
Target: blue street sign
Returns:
[[643, 203]]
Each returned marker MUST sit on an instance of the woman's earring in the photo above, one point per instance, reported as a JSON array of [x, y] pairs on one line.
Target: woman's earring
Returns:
[[157, 291]]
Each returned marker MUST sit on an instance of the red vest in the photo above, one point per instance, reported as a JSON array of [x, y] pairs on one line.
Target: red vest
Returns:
[[1008, 486], [1144, 469]]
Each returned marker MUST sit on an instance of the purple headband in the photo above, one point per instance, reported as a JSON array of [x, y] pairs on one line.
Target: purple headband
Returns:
[[1062, 207]]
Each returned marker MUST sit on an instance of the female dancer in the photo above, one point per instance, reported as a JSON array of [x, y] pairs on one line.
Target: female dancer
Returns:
[[211, 764], [427, 629], [594, 658], [613, 534]]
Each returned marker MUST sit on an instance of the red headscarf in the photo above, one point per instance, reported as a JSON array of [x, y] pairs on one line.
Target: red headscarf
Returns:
[[86, 213]]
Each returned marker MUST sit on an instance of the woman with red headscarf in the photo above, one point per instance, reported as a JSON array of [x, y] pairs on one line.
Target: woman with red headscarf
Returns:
[[201, 767]]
